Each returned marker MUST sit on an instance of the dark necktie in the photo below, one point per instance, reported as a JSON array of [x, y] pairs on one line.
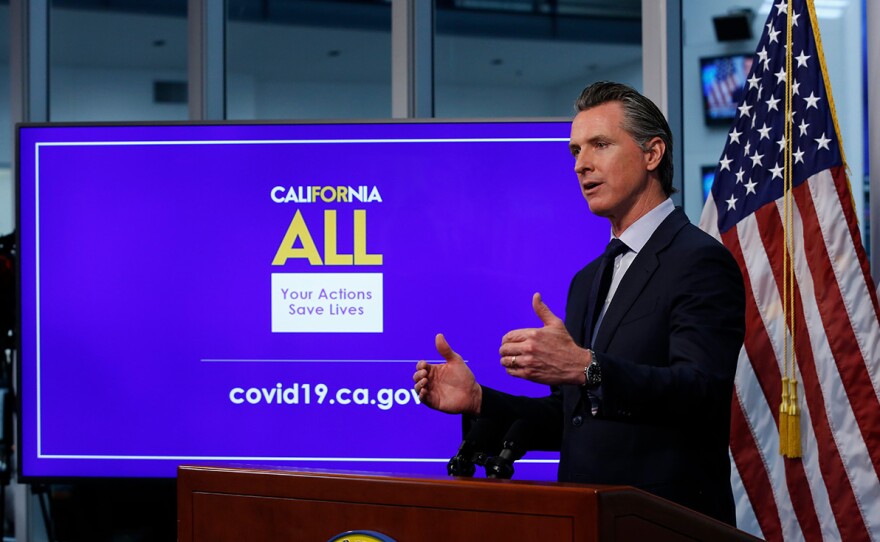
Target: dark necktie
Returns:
[[601, 284]]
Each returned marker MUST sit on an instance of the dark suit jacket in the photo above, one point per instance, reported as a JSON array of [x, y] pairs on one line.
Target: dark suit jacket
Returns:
[[667, 346]]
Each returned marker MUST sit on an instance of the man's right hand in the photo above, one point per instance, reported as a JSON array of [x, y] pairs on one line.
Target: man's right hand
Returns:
[[448, 387]]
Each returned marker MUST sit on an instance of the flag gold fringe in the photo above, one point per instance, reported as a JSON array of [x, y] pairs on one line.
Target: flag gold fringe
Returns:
[[783, 420], [794, 423], [827, 83]]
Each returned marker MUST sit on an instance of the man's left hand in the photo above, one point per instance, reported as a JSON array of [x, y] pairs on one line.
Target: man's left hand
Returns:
[[546, 355]]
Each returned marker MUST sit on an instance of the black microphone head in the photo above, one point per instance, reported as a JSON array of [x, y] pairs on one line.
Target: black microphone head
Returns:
[[518, 438], [484, 435]]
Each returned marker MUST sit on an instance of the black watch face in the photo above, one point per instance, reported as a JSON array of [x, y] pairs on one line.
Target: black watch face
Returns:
[[594, 374]]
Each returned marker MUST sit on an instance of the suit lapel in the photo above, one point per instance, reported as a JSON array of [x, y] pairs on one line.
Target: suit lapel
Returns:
[[637, 277], [580, 291]]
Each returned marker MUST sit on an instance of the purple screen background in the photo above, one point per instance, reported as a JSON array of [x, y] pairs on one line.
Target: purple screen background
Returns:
[[142, 264]]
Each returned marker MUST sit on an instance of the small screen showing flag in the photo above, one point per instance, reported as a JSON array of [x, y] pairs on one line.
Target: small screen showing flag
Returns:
[[707, 177], [723, 79]]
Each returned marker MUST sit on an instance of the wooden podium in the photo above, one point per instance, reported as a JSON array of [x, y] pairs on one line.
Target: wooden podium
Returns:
[[216, 504]]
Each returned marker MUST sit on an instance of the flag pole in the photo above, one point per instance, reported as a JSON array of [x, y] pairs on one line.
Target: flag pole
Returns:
[[789, 415]]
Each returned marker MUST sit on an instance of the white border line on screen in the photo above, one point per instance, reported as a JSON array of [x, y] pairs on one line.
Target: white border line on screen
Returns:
[[41, 455]]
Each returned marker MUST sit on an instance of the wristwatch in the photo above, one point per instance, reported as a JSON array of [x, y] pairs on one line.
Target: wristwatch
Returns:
[[592, 373]]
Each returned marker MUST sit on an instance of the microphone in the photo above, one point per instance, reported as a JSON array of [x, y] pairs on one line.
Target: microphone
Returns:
[[480, 441], [516, 443]]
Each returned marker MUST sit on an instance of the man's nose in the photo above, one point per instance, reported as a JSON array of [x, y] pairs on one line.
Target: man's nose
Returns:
[[583, 163]]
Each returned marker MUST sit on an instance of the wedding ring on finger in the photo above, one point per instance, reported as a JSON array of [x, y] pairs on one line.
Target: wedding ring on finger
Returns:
[[513, 363]]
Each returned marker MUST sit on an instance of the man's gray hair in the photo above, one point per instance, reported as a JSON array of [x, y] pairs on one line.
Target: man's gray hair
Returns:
[[643, 120]]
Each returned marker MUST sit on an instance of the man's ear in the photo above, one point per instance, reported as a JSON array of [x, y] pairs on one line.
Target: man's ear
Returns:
[[656, 149]]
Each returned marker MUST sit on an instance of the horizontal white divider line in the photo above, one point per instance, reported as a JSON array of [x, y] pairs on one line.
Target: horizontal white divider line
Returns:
[[244, 360], [257, 458], [304, 141]]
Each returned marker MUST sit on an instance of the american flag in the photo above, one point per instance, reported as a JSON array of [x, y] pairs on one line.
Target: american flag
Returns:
[[833, 491]]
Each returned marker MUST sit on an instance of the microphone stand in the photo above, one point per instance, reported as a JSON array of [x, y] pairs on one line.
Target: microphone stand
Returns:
[[513, 448], [478, 444]]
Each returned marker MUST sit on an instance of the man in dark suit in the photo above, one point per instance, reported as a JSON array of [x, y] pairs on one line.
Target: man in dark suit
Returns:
[[641, 371]]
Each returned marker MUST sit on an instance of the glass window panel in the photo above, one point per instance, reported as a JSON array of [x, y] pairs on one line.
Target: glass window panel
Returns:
[[300, 59], [108, 58], [515, 58], [7, 191]]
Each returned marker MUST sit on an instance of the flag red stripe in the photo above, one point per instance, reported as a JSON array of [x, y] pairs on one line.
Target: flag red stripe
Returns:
[[802, 499], [751, 470], [842, 185], [840, 334], [840, 492], [760, 352], [743, 447], [757, 343]]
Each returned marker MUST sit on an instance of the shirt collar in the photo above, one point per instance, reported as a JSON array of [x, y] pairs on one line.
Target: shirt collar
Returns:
[[637, 235]]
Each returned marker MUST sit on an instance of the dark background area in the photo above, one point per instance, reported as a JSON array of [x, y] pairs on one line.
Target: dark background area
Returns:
[[113, 510]]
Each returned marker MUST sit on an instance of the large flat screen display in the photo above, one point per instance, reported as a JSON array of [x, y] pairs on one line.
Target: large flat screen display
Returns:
[[259, 294]]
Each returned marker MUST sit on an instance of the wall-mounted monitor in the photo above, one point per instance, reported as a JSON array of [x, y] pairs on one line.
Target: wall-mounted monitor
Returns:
[[259, 294], [707, 177], [723, 79]]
